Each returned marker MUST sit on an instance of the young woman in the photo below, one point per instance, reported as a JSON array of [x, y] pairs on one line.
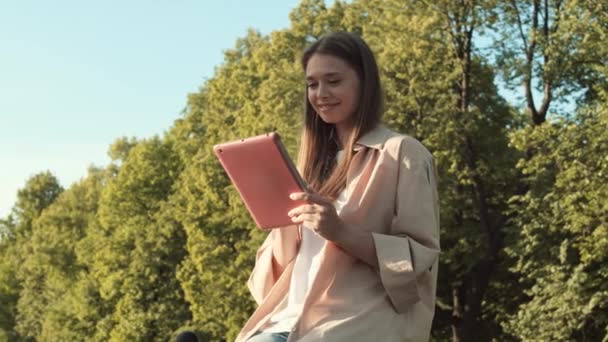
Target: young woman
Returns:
[[360, 261]]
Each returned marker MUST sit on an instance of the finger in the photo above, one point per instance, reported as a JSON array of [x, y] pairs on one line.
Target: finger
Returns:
[[305, 208], [302, 218], [296, 196], [311, 197]]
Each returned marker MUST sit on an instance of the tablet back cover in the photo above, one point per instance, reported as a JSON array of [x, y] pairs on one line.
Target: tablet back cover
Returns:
[[264, 176]]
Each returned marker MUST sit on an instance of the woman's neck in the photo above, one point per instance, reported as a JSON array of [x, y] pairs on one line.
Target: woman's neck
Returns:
[[343, 130]]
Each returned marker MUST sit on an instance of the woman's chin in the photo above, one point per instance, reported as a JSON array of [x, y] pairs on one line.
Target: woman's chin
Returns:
[[329, 118]]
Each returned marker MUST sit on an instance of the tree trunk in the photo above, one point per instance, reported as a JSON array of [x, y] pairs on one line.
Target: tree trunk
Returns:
[[468, 295]]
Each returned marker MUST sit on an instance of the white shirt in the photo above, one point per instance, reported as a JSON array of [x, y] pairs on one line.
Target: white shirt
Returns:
[[304, 272]]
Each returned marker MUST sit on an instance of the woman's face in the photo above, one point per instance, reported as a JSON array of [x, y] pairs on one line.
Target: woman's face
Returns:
[[333, 88]]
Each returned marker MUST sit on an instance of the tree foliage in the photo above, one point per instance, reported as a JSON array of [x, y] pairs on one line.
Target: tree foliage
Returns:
[[158, 240]]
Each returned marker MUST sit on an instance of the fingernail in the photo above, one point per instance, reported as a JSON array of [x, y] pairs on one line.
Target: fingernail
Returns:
[[292, 196]]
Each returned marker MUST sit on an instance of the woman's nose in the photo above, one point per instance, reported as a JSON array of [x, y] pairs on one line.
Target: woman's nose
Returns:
[[323, 90]]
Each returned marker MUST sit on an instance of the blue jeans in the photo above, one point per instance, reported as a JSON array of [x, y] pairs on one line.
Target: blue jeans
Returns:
[[261, 336]]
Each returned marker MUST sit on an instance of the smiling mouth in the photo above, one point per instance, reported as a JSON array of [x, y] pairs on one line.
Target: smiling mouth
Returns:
[[325, 107]]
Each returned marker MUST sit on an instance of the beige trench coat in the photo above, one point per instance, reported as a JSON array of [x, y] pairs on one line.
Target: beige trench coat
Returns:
[[392, 193]]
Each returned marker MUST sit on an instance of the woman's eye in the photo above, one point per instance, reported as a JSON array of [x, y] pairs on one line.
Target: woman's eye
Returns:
[[334, 82], [312, 85]]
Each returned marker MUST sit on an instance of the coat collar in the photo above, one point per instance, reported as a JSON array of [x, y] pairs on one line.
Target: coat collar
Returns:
[[374, 138]]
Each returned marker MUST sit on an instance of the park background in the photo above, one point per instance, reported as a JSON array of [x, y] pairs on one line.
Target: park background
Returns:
[[511, 98]]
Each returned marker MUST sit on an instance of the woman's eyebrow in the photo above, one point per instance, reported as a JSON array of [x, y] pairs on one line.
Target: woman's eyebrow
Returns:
[[329, 74]]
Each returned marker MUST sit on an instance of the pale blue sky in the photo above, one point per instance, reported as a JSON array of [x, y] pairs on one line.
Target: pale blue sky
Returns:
[[75, 75]]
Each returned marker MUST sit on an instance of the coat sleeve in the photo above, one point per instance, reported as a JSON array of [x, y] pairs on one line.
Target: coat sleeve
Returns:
[[264, 276], [408, 253]]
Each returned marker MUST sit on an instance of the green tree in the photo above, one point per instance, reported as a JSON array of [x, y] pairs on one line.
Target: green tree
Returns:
[[257, 90], [562, 247], [159, 239], [9, 285], [564, 58], [138, 246], [441, 90], [553, 50], [51, 267], [39, 192]]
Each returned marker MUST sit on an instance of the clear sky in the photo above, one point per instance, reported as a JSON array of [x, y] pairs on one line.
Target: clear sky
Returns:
[[76, 75]]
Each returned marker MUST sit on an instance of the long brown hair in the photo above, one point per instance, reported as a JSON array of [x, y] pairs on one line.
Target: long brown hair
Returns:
[[318, 148]]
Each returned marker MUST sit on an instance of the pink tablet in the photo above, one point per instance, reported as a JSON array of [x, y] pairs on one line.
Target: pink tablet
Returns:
[[264, 175]]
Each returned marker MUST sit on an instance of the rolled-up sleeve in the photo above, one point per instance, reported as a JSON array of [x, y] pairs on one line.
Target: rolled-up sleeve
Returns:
[[262, 277], [407, 254], [264, 274]]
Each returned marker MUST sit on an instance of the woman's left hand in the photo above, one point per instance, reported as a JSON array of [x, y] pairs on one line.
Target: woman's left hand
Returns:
[[320, 215]]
